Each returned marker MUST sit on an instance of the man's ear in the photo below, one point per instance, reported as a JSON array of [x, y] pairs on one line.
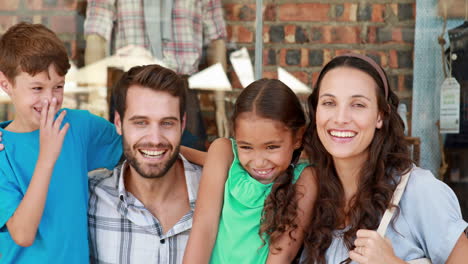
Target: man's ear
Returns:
[[184, 121], [118, 123], [298, 137], [5, 84]]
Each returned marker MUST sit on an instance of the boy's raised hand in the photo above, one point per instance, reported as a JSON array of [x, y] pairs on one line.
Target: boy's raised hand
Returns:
[[24, 223], [51, 136]]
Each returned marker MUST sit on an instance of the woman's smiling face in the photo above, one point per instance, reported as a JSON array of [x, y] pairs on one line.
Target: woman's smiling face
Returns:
[[347, 113]]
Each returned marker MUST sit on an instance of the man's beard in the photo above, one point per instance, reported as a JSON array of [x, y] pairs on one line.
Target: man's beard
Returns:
[[156, 170]]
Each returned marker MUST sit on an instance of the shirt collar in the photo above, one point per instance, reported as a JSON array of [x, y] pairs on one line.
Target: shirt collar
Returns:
[[120, 181], [192, 179]]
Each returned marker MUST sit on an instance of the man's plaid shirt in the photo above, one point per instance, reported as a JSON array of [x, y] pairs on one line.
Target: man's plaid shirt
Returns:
[[122, 230], [194, 22]]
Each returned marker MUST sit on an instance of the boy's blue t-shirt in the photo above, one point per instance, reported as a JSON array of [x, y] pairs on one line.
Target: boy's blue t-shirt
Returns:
[[90, 143]]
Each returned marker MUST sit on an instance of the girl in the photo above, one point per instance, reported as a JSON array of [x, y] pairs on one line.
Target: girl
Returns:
[[356, 139], [254, 200]]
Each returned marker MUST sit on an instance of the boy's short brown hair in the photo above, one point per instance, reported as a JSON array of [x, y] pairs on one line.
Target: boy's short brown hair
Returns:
[[31, 48]]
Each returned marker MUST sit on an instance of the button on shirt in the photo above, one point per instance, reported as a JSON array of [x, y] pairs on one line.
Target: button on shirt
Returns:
[[122, 230], [194, 23]]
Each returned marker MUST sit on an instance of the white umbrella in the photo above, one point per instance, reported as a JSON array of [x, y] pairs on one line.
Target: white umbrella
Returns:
[[291, 81], [95, 74], [213, 78], [242, 65], [4, 98]]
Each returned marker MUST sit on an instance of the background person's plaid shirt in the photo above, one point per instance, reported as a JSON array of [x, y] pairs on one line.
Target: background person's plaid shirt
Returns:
[[195, 23], [122, 230]]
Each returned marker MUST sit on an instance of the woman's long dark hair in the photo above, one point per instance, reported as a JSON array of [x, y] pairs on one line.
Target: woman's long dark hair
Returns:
[[272, 99], [388, 157]]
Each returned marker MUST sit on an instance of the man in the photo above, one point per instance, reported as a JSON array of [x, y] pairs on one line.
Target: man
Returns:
[[142, 211]]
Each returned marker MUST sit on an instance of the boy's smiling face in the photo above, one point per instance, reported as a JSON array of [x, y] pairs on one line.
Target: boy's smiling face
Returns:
[[28, 94]]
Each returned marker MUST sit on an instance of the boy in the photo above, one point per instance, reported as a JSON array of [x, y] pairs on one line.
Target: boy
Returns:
[[43, 168]]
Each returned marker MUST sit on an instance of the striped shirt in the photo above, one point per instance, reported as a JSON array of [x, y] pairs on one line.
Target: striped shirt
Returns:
[[122, 230], [194, 23]]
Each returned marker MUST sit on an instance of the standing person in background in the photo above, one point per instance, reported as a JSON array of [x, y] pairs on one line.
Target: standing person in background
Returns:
[[356, 140], [174, 31], [255, 199]]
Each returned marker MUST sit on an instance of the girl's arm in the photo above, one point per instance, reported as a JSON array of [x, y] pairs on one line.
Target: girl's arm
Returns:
[[306, 195], [209, 202], [193, 155]]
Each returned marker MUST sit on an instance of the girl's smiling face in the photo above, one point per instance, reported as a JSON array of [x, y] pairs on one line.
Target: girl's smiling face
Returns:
[[265, 146], [347, 113]]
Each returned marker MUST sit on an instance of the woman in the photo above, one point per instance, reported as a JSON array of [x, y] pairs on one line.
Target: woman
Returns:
[[356, 140]]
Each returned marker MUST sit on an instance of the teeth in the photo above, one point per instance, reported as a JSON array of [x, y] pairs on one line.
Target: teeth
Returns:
[[263, 172], [152, 153], [342, 134]]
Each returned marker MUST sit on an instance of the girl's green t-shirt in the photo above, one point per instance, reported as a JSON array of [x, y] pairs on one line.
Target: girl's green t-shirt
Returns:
[[238, 240]]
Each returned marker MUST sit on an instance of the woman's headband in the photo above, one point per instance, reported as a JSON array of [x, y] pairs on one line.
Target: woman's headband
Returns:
[[374, 64]]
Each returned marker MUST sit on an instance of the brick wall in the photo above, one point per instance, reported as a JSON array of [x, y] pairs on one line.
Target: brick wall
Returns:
[[299, 35], [303, 35], [64, 17]]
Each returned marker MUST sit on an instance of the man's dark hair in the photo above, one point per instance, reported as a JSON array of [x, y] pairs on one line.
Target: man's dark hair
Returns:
[[154, 77]]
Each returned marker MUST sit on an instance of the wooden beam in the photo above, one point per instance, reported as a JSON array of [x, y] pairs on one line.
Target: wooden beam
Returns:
[[455, 8]]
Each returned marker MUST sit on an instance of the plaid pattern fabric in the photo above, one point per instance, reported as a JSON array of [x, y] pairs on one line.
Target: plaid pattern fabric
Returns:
[[122, 230], [194, 23]]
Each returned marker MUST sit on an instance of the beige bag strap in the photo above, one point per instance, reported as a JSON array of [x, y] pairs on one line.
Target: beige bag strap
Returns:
[[420, 261], [388, 215]]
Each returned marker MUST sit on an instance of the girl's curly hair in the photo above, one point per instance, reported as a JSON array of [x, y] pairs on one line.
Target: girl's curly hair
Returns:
[[272, 99]]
